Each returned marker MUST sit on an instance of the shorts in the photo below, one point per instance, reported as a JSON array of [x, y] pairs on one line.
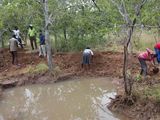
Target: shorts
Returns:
[[86, 58]]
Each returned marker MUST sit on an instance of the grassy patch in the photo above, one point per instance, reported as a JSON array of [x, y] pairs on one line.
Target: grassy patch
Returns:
[[148, 92], [153, 93], [41, 67]]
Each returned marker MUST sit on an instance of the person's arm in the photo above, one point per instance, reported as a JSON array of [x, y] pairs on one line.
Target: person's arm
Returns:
[[91, 55]]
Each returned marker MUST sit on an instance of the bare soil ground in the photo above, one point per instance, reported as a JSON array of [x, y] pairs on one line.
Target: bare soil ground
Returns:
[[104, 64]]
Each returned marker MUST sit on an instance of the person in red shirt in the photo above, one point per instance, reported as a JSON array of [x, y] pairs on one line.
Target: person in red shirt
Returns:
[[148, 55], [157, 51]]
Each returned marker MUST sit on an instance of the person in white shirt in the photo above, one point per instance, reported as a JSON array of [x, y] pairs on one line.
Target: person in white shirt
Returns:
[[16, 32], [87, 56]]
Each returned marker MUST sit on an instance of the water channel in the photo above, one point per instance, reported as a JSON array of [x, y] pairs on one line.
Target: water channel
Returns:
[[80, 99]]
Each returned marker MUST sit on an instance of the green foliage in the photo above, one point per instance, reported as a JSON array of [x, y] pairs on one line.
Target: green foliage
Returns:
[[76, 24], [138, 77]]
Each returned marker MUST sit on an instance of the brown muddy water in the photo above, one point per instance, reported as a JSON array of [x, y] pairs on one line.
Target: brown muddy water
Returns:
[[81, 99]]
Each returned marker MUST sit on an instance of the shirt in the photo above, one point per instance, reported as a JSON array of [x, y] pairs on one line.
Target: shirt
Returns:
[[157, 45], [13, 44], [89, 51], [42, 39], [31, 32], [16, 32], [145, 56]]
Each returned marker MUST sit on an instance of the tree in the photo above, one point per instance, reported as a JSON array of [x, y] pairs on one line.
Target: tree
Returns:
[[130, 23], [46, 28]]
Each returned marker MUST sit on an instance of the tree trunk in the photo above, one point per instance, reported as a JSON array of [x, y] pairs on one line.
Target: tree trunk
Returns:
[[127, 81], [128, 84], [48, 42], [65, 33], [1, 41], [56, 42], [1, 38]]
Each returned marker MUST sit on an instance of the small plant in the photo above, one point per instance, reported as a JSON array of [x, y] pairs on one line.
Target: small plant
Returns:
[[138, 77]]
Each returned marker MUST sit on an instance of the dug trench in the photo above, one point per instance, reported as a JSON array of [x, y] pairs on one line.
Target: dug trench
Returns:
[[68, 65]]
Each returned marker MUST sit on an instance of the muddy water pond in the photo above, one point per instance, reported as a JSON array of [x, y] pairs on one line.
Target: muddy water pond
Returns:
[[80, 99]]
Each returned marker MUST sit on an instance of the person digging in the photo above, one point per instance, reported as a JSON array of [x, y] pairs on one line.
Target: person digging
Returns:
[[148, 55], [87, 58]]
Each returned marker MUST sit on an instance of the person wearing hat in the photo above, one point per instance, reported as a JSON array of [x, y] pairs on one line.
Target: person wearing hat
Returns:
[[87, 56], [32, 37], [148, 55]]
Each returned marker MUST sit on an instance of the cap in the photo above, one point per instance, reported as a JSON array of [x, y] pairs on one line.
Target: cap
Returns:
[[30, 25]]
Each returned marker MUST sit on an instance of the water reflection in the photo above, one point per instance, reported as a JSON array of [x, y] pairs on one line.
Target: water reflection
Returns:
[[84, 99]]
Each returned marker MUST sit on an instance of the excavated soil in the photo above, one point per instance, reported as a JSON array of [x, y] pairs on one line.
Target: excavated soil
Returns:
[[104, 64]]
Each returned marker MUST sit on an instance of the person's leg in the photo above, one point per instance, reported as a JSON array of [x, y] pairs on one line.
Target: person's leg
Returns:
[[35, 42], [31, 42], [84, 62], [43, 50], [143, 67], [40, 51], [158, 55], [157, 51], [16, 57], [12, 57], [88, 61]]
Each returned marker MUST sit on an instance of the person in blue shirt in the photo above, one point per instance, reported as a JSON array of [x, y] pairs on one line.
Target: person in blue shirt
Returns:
[[42, 47]]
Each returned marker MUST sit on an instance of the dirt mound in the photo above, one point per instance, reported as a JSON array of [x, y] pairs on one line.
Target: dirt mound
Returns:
[[104, 63]]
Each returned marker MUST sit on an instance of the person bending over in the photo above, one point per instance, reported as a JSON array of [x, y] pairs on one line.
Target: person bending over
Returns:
[[148, 55], [87, 56]]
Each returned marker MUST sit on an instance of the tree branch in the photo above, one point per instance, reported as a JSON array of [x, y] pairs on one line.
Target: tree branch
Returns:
[[96, 5]]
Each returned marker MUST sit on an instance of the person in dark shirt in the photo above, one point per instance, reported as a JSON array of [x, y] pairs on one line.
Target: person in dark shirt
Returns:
[[42, 47]]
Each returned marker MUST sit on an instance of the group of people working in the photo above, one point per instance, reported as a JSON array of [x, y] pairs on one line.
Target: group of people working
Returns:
[[16, 41], [148, 55], [151, 56]]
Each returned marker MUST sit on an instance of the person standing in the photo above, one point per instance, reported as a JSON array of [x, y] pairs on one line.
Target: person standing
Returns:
[[13, 46], [146, 56], [42, 47], [157, 51], [87, 56], [32, 37]]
